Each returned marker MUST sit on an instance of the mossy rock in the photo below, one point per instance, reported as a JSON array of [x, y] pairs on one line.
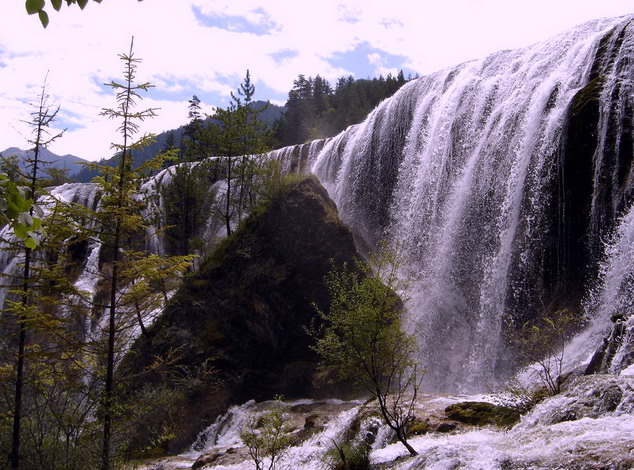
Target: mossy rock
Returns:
[[419, 428], [481, 414], [618, 317]]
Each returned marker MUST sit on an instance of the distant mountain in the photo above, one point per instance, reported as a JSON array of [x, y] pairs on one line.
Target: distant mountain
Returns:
[[269, 116], [69, 162]]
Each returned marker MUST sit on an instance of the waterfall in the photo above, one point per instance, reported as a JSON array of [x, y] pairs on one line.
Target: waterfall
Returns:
[[12, 258], [498, 181], [616, 297], [608, 306], [472, 174]]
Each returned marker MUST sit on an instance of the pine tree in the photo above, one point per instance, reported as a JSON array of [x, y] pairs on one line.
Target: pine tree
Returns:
[[255, 139], [314, 110], [55, 397], [226, 138], [184, 190], [41, 121], [121, 221], [239, 137], [193, 141], [186, 196], [46, 398]]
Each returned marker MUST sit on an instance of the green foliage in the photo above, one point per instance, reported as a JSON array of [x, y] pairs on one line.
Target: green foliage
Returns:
[[148, 278], [58, 402], [186, 197], [266, 437], [17, 210], [18, 191], [315, 110], [519, 397], [56, 399], [482, 413], [57, 383], [26, 307], [271, 181], [363, 339], [121, 227], [10, 167], [151, 420], [239, 138], [541, 344], [37, 7], [351, 455], [56, 176], [363, 325]]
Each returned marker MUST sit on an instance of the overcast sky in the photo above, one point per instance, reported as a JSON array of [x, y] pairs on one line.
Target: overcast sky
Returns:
[[204, 47]]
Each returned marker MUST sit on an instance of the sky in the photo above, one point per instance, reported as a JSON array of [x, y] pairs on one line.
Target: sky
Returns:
[[204, 48]]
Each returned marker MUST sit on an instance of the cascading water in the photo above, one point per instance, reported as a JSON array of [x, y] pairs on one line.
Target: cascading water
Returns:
[[86, 195], [470, 172], [608, 306], [497, 180], [71, 193], [11, 261]]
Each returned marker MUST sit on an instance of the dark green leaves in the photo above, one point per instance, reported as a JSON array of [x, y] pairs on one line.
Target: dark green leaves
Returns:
[[37, 6], [43, 18], [34, 6]]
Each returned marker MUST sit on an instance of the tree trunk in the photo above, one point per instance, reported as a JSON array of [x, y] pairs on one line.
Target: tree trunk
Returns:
[[401, 437], [19, 379], [109, 382], [228, 198], [140, 318]]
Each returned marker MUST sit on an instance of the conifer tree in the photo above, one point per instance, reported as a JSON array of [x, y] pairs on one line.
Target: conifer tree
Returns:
[[37, 303], [226, 139], [255, 139], [41, 121], [120, 221], [239, 138], [193, 140], [184, 190], [55, 398], [117, 202]]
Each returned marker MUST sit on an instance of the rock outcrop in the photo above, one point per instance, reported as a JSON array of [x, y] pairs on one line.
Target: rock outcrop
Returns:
[[236, 329]]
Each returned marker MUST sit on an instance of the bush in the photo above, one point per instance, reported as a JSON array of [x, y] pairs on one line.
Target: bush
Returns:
[[267, 438], [352, 455], [363, 340], [541, 345]]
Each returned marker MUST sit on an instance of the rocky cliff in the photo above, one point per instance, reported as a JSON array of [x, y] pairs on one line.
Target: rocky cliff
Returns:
[[236, 328]]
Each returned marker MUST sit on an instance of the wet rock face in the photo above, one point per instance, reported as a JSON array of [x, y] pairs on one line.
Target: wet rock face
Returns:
[[592, 396], [616, 353], [238, 326]]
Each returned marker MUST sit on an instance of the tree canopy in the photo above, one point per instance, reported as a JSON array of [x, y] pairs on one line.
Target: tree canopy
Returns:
[[315, 109], [363, 339]]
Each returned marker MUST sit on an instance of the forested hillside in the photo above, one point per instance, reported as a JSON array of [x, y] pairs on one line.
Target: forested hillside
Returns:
[[172, 139], [315, 109]]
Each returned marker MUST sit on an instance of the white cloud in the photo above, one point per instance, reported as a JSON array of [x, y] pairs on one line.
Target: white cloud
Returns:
[[379, 67], [183, 57]]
